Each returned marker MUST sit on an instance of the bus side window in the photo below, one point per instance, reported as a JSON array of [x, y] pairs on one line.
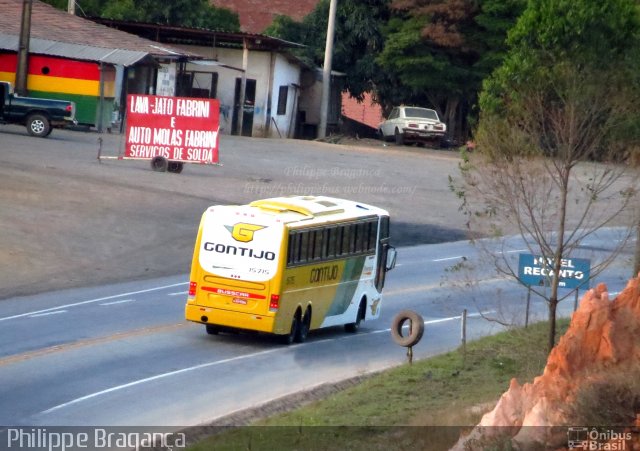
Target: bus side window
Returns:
[[373, 236], [304, 246], [294, 252], [344, 240], [318, 247], [352, 238], [332, 242], [381, 269], [291, 249], [384, 227], [324, 243], [360, 239]]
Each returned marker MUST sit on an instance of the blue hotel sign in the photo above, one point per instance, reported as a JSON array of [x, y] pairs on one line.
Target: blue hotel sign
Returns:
[[535, 270]]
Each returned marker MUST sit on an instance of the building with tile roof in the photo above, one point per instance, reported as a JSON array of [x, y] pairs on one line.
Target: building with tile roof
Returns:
[[282, 95], [76, 59], [256, 15]]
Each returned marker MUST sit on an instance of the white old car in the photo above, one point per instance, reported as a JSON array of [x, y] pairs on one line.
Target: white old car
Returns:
[[412, 124]]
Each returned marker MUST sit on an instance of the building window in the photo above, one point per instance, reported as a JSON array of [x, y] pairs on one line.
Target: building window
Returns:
[[202, 85], [282, 100]]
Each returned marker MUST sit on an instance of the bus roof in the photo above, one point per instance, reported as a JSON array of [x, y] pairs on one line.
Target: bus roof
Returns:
[[308, 210]]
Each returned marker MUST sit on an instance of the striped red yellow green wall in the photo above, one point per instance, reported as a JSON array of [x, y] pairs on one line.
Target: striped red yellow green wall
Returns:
[[59, 78]]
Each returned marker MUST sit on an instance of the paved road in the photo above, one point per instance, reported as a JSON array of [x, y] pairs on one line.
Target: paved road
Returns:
[[123, 355]]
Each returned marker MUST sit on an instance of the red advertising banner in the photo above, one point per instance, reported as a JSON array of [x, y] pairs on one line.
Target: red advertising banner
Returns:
[[176, 128]]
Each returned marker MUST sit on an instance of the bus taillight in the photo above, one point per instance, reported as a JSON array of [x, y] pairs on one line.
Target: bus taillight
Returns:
[[275, 302], [192, 289]]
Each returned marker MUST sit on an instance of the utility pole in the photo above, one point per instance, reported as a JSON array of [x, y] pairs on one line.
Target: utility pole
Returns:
[[22, 69], [326, 74], [636, 254], [71, 7], [243, 85]]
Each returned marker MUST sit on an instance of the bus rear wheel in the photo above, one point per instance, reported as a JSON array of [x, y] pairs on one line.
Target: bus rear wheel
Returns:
[[212, 330], [293, 333], [303, 329]]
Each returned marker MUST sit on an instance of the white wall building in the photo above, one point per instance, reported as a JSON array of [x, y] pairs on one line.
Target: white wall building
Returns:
[[282, 94], [271, 92]]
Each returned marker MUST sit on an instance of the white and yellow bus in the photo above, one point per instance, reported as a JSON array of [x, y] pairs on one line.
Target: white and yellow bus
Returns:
[[288, 265]]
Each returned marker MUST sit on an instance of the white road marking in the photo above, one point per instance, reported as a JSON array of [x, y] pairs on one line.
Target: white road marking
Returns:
[[159, 376], [447, 258], [47, 314], [91, 301], [178, 293], [434, 321], [118, 302]]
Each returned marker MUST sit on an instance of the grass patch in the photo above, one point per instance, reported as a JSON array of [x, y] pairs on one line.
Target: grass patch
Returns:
[[428, 403]]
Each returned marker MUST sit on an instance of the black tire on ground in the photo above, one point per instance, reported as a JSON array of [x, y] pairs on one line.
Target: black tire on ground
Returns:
[[38, 125], [416, 328], [175, 167], [212, 329], [353, 327], [159, 164], [381, 135], [399, 137], [303, 330], [295, 325]]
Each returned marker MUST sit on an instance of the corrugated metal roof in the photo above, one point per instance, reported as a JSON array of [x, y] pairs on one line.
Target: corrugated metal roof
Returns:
[[54, 32], [75, 51], [197, 36]]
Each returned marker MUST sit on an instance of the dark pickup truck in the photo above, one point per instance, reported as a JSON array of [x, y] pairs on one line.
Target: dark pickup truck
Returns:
[[38, 115]]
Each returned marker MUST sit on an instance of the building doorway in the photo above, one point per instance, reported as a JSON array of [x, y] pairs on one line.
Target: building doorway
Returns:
[[249, 104]]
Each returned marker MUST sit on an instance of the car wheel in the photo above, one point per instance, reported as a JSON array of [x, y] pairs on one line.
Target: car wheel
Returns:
[[38, 125], [381, 136], [399, 137]]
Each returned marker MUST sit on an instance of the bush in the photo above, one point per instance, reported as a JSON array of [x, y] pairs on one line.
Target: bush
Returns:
[[614, 401]]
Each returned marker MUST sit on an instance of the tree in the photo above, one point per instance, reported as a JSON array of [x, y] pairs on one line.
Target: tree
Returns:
[[358, 40], [423, 52], [441, 50], [555, 125], [183, 13]]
